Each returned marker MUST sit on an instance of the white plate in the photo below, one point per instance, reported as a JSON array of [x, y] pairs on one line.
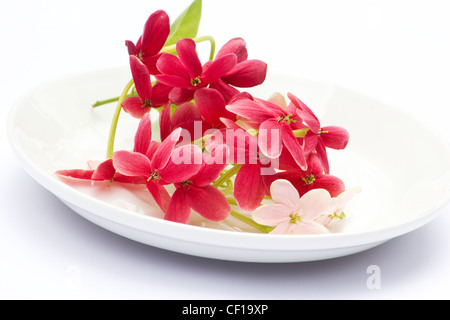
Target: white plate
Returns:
[[402, 167]]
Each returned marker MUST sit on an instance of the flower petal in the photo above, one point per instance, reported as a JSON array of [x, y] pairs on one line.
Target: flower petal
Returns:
[[310, 227], [225, 89], [159, 194], [314, 204], [334, 137], [141, 78], [218, 68], [76, 174], [185, 162], [209, 202], [247, 74], [249, 188], [294, 147], [332, 184], [105, 171], [178, 209], [135, 107], [211, 105], [236, 46], [168, 64], [156, 31], [165, 125], [270, 138], [162, 155], [251, 110], [181, 95], [211, 167], [160, 95], [272, 214], [143, 135], [186, 49], [132, 164], [283, 192]]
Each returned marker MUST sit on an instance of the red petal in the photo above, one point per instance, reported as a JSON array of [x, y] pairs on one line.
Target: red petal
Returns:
[[160, 195], [270, 138], [150, 62], [332, 184], [162, 155], [165, 126], [135, 107], [236, 46], [132, 50], [76, 174], [226, 90], [181, 95], [251, 110], [211, 168], [160, 96], [218, 68], [249, 188], [168, 64], [209, 202], [105, 171], [186, 49], [247, 74], [322, 154], [178, 209], [132, 164], [141, 78], [185, 162], [211, 105], [294, 147], [335, 137], [143, 135], [156, 31]]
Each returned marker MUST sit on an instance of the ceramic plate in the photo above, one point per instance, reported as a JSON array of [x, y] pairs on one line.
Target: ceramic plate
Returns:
[[54, 127]]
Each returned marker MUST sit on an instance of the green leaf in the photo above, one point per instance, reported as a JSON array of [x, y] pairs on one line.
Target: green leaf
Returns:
[[187, 24]]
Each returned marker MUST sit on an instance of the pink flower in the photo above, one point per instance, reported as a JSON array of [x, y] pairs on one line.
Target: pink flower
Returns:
[[149, 97], [186, 74], [291, 214], [161, 165], [149, 45], [338, 205], [276, 127], [212, 106], [198, 194], [318, 137], [312, 178], [246, 73]]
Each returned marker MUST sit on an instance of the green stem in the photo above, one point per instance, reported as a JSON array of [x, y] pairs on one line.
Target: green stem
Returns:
[[249, 221], [103, 102], [112, 131], [227, 175], [173, 48]]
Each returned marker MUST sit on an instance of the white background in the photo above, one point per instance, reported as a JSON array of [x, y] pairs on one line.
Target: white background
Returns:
[[397, 51]]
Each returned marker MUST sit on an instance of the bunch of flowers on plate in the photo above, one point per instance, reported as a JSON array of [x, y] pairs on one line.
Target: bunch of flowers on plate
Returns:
[[223, 151]]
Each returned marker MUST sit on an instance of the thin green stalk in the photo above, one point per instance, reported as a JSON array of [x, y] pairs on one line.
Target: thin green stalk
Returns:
[[112, 131], [227, 175], [103, 102], [250, 222]]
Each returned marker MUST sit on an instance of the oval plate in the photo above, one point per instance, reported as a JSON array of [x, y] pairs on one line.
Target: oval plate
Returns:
[[53, 128]]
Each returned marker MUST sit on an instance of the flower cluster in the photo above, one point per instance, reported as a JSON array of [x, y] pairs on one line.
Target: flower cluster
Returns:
[[222, 150]]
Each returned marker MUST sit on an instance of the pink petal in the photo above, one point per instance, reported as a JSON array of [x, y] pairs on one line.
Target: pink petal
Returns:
[[159, 194], [211, 105], [105, 171], [335, 137], [249, 189], [160, 95], [76, 174], [185, 162], [132, 164], [150, 62], [209, 202], [210, 169], [141, 78], [251, 110], [143, 135], [187, 112], [322, 154], [135, 107], [283, 192], [305, 113], [162, 155], [270, 138], [225, 89], [178, 209], [181, 95], [272, 215], [165, 125], [152, 148], [314, 204], [156, 31], [341, 201], [186, 49], [236, 46], [170, 65], [174, 81], [294, 147], [218, 68], [247, 74], [284, 228]]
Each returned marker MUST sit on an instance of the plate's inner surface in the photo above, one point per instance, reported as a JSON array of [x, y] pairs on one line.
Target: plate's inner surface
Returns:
[[402, 167]]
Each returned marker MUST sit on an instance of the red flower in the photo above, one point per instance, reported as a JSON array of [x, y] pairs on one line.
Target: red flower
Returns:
[[198, 194], [149, 97], [158, 166], [149, 45], [186, 74], [318, 137], [246, 73], [275, 127]]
